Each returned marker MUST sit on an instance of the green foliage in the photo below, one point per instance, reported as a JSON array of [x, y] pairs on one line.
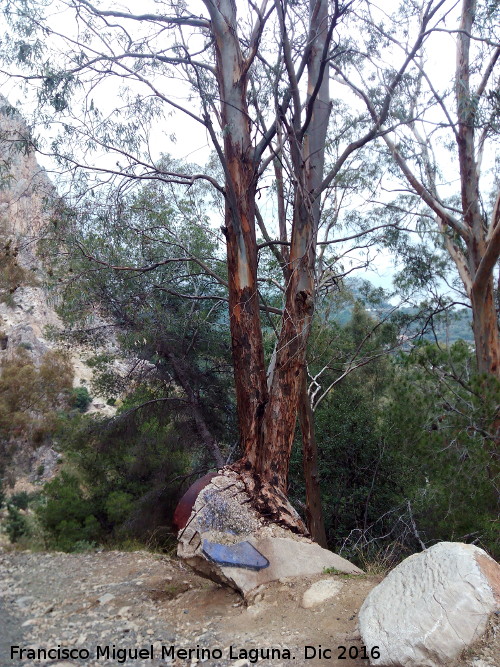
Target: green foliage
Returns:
[[66, 514], [121, 478], [16, 525], [448, 441], [83, 546], [31, 395], [358, 473], [20, 500], [80, 398], [407, 438], [119, 506], [158, 228]]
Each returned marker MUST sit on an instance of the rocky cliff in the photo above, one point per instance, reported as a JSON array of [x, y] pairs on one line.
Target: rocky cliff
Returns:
[[27, 307], [26, 194]]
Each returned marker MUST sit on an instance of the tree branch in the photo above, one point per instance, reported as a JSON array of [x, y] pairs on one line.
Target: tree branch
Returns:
[[492, 251], [197, 22]]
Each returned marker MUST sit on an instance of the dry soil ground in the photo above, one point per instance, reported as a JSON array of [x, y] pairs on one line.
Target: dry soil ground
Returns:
[[92, 603]]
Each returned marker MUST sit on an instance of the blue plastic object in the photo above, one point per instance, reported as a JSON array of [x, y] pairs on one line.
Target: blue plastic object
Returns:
[[241, 554]]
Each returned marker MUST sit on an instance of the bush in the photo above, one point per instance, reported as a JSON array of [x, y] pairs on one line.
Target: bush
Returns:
[[415, 430], [121, 477], [119, 506], [30, 396], [83, 546], [16, 525], [446, 440], [80, 399], [67, 516], [20, 500]]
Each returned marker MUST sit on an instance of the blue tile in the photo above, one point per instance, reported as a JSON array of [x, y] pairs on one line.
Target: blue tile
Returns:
[[241, 554]]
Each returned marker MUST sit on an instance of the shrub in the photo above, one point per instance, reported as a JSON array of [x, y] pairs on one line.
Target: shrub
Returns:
[[83, 546], [31, 395], [118, 505], [16, 525], [67, 516], [20, 500], [81, 399], [121, 478]]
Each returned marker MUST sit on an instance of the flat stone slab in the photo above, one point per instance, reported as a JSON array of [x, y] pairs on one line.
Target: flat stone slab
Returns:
[[287, 558], [320, 592]]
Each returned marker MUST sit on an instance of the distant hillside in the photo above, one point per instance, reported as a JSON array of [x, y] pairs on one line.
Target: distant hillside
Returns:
[[448, 327]]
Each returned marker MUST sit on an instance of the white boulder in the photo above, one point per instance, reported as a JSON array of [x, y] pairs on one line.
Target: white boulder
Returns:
[[431, 607]]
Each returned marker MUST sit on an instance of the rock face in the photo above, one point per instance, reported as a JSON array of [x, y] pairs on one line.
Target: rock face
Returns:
[[27, 309], [25, 193], [432, 606], [250, 553], [25, 189]]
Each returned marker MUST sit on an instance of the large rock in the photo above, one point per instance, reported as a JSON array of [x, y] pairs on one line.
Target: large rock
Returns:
[[431, 607], [226, 540]]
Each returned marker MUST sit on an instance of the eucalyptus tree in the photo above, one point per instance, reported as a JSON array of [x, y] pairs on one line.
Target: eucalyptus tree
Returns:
[[444, 146], [255, 79]]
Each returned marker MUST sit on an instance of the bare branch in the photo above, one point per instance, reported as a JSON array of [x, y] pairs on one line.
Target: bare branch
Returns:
[[197, 22], [489, 69]]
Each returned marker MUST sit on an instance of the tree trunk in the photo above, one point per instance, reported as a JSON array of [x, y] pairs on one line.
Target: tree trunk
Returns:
[[239, 229], [307, 144], [485, 328], [484, 314], [271, 462], [314, 513], [267, 418]]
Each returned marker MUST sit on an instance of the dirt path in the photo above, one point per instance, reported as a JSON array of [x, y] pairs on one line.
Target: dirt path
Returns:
[[10, 630], [94, 604]]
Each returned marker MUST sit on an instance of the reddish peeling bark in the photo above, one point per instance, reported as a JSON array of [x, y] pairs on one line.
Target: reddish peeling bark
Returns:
[[314, 511], [267, 417], [308, 146], [239, 229], [281, 413], [485, 328], [483, 249]]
